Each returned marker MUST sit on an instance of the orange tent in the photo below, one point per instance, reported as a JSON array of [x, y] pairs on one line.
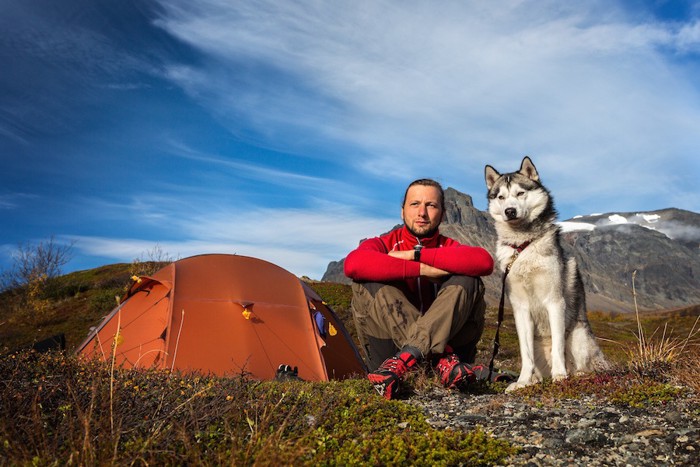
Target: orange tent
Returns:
[[225, 315]]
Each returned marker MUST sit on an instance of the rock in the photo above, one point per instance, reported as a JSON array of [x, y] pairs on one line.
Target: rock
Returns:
[[586, 423], [566, 432], [672, 416], [582, 436]]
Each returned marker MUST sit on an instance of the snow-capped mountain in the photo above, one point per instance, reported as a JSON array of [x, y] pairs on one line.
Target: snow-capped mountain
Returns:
[[676, 224]]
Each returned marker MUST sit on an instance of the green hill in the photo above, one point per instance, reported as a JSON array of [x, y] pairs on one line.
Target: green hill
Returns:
[[55, 408], [71, 304]]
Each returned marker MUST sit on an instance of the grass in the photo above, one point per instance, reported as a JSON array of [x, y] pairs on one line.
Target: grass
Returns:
[[56, 409], [625, 389], [654, 357]]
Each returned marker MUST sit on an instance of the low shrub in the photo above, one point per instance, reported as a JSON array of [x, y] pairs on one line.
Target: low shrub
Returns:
[[103, 301]]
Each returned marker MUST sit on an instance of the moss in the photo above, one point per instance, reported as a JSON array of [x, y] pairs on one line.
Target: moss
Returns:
[[371, 430], [621, 389], [646, 393]]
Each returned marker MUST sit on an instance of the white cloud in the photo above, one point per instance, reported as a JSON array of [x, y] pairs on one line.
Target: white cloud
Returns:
[[568, 226], [294, 228], [10, 201], [302, 241], [406, 85], [688, 37], [605, 103], [250, 170], [680, 231], [7, 202], [299, 262]]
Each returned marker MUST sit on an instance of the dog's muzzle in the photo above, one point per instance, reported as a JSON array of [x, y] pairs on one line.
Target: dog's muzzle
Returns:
[[511, 213]]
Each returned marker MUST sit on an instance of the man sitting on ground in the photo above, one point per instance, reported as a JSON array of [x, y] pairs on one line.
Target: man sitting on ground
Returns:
[[417, 293]]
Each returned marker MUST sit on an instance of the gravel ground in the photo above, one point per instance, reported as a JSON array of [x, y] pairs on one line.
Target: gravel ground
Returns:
[[584, 431]]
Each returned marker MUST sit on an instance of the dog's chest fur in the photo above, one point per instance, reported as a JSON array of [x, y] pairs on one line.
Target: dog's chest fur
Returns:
[[533, 280]]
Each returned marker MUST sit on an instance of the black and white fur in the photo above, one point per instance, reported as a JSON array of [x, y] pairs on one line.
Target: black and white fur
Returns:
[[544, 287]]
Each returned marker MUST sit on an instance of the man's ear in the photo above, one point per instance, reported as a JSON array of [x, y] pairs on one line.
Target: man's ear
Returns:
[[528, 169], [491, 175]]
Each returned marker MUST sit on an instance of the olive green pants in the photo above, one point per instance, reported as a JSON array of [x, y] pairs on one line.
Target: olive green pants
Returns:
[[387, 321]]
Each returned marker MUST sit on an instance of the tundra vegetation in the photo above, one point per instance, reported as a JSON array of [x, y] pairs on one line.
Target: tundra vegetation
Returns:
[[57, 409]]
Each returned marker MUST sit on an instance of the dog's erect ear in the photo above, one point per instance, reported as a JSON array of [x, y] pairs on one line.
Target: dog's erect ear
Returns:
[[491, 175], [528, 169]]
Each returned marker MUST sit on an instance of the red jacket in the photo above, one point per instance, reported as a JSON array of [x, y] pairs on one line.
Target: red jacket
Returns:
[[371, 263]]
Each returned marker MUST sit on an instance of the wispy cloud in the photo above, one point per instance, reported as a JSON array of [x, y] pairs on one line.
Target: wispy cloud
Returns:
[[687, 39], [301, 241], [681, 231], [14, 200], [406, 85], [56, 60], [258, 172], [290, 129], [7, 202]]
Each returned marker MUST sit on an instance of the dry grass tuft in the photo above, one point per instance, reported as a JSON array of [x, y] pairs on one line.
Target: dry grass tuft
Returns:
[[656, 357], [686, 370]]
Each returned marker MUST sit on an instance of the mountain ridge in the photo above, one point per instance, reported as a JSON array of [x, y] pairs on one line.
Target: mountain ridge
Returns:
[[659, 250]]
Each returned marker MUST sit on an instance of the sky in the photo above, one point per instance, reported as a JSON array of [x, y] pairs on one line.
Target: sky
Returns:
[[288, 130]]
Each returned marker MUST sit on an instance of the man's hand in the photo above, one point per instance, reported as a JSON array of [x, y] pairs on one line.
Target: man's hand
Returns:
[[432, 273], [407, 255]]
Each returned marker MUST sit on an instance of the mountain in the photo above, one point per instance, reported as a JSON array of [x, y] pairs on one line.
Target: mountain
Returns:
[[663, 247]]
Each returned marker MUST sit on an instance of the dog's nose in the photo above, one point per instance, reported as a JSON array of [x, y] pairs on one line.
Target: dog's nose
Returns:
[[511, 213]]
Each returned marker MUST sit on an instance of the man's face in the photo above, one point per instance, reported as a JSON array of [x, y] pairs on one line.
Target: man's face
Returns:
[[422, 211]]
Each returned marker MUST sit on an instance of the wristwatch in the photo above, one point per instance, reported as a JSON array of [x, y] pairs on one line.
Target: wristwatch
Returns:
[[416, 252]]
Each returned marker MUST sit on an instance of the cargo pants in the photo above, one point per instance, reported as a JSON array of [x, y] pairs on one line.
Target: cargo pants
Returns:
[[386, 320]]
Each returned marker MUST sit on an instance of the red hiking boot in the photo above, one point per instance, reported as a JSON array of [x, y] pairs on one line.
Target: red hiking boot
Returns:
[[388, 376], [453, 373]]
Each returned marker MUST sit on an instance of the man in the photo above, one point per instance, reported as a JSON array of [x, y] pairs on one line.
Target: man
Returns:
[[417, 294]]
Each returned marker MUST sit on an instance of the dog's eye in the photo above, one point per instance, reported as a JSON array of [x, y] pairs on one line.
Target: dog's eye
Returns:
[[521, 193], [501, 197]]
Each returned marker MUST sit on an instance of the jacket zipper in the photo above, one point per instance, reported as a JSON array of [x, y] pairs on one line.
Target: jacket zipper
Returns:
[[420, 288]]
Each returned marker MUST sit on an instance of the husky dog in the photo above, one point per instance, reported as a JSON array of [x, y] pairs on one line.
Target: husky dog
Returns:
[[544, 288]]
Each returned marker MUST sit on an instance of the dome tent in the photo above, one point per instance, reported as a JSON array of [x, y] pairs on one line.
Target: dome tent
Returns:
[[225, 315]]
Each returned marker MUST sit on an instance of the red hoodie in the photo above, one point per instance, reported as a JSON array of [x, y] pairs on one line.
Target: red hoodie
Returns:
[[370, 262]]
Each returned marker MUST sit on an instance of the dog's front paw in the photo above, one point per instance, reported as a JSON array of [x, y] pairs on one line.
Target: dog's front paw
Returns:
[[517, 385], [559, 376]]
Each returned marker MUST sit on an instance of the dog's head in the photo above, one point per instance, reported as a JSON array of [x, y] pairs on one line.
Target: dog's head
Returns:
[[518, 197]]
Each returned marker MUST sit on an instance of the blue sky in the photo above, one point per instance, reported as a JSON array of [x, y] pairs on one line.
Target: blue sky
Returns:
[[288, 130]]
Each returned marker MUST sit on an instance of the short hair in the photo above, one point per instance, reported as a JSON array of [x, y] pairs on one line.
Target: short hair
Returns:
[[426, 182]]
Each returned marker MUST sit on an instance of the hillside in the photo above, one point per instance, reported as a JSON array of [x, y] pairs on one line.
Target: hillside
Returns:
[[79, 300], [642, 413], [76, 302]]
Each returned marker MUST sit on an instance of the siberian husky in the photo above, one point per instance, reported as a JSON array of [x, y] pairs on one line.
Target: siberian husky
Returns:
[[544, 288]]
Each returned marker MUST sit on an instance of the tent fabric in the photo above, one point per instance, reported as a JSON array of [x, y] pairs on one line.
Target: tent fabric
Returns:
[[225, 315]]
